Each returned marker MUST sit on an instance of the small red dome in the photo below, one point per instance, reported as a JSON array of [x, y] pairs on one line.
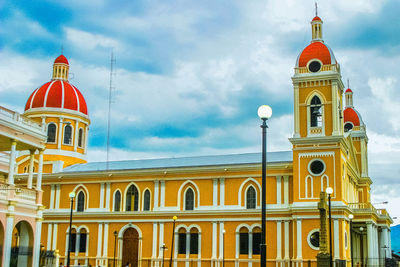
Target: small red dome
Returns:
[[348, 90], [316, 50], [351, 115], [57, 94], [316, 18], [61, 59]]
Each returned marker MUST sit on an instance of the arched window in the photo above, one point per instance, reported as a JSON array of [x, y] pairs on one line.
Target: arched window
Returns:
[[146, 201], [251, 198], [68, 134], [309, 187], [244, 241], [189, 199], [80, 137], [51, 133], [315, 112], [132, 199], [80, 202], [117, 201], [256, 242], [82, 240]]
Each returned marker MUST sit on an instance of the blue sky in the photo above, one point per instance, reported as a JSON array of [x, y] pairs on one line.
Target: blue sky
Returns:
[[190, 75]]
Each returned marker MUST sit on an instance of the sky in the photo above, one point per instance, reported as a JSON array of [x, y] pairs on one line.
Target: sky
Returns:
[[190, 75]]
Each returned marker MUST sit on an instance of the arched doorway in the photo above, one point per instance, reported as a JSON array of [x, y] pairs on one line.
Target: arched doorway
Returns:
[[130, 247], [22, 245]]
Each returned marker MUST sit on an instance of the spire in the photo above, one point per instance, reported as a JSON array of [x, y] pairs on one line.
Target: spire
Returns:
[[60, 68], [348, 96], [316, 27]]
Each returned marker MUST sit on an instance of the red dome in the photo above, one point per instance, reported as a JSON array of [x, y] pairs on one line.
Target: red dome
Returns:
[[348, 90], [316, 50], [351, 115], [61, 59], [57, 94], [316, 18]]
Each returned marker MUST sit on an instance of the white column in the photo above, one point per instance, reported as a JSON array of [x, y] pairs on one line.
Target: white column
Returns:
[[214, 241], [370, 241], [105, 247], [286, 190], [60, 133], [101, 195], [108, 195], [55, 234], [222, 192], [11, 167], [39, 173], [76, 134], [30, 175], [221, 237], [278, 189], [250, 245], [336, 238], [278, 240], [49, 234], [176, 249], [154, 253], [335, 117], [99, 239], [299, 244], [385, 242], [287, 240], [8, 239], [86, 138], [58, 191], [161, 239], [390, 243], [237, 245], [187, 245], [36, 248], [156, 194], [52, 193], [215, 192], [296, 112], [162, 196]]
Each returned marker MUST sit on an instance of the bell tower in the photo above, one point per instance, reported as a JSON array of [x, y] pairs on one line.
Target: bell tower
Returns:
[[318, 89]]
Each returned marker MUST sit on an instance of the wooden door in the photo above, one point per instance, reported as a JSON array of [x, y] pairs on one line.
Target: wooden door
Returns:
[[130, 247]]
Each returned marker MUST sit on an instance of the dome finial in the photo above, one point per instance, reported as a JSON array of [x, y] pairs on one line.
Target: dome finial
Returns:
[[316, 9], [348, 96], [316, 27], [61, 68]]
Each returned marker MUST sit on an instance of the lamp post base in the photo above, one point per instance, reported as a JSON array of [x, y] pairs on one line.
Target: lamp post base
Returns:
[[323, 260]]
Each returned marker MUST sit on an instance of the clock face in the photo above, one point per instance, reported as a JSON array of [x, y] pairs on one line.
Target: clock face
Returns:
[[314, 66]]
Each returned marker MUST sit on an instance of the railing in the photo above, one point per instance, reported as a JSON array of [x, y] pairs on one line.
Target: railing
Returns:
[[23, 195], [26, 195], [331, 67], [15, 116], [367, 207]]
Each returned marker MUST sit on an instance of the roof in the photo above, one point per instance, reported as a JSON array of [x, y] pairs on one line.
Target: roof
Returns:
[[61, 59], [349, 90], [198, 161], [352, 115], [316, 50], [57, 94], [316, 18]]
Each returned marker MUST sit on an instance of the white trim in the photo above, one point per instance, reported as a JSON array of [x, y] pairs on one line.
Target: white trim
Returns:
[[99, 239], [47, 110], [51, 206], [278, 240], [309, 167], [194, 191], [49, 233], [160, 239], [66, 153], [162, 194], [120, 200], [156, 193], [336, 238], [58, 191], [287, 251], [222, 192], [309, 236], [143, 198], [82, 141], [299, 239], [214, 241], [278, 189], [215, 192], [108, 193], [33, 96], [184, 198], [245, 196], [312, 60], [286, 189], [47, 92], [323, 102], [125, 198], [309, 195], [101, 195], [250, 179], [76, 97], [47, 133], [154, 244], [324, 185], [72, 135], [105, 243], [62, 94]]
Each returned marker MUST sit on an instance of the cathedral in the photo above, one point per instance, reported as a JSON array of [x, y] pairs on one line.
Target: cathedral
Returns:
[[206, 210]]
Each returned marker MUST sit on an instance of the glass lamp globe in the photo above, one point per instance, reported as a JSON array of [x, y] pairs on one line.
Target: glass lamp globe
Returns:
[[71, 194], [329, 190], [351, 216], [264, 112]]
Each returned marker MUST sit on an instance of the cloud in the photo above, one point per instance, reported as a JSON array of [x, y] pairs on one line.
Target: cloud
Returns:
[[89, 41]]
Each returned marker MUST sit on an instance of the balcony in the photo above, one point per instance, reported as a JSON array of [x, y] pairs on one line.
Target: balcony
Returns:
[[368, 208], [18, 194]]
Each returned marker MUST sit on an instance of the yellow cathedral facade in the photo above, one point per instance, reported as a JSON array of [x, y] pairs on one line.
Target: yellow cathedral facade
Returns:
[[124, 210]]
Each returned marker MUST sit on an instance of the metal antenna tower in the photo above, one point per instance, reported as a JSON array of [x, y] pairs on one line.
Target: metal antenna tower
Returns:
[[112, 62]]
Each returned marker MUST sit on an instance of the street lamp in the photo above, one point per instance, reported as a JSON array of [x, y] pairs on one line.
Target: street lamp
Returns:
[[362, 247], [223, 248], [173, 232], [71, 196], [329, 191], [351, 217], [164, 247], [115, 244], [264, 112]]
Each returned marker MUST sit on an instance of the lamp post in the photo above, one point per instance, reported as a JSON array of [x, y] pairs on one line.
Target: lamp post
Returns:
[[351, 217], [264, 112], [329, 191], [173, 232], [223, 248], [71, 196], [362, 247], [164, 247], [115, 244]]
